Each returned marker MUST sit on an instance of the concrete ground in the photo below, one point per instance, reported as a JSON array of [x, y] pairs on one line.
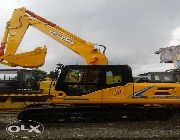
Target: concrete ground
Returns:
[[169, 129]]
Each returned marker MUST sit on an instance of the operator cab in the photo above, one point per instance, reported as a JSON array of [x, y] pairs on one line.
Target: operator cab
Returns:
[[17, 80], [77, 80]]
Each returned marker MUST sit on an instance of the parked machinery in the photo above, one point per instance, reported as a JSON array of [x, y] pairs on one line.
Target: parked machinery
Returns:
[[170, 76], [82, 91], [19, 87]]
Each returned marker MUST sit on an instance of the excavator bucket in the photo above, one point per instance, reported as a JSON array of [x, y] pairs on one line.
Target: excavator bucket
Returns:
[[32, 59]]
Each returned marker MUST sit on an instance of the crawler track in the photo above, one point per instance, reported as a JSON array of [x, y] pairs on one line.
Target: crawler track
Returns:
[[92, 114]]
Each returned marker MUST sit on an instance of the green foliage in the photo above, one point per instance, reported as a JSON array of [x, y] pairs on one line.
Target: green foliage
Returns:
[[54, 74], [39, 75]]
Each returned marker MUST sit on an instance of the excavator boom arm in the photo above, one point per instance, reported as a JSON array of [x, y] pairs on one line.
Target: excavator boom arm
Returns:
[[17, 27]]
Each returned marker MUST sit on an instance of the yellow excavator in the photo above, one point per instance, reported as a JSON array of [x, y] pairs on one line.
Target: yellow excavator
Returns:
[[81, 91]]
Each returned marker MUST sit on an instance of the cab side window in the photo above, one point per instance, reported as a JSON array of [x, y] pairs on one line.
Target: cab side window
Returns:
[[113, 76], [81, 81]]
